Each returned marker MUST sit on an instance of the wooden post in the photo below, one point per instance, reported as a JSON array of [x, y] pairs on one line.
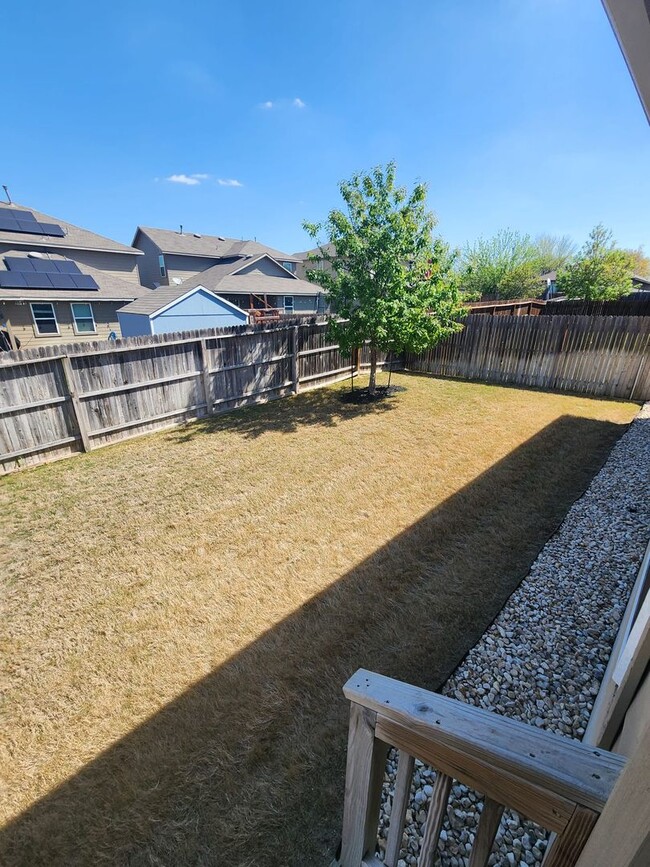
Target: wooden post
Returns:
[[68, 377], [205, 374], [357, 359], [363, 781], [294, 359]]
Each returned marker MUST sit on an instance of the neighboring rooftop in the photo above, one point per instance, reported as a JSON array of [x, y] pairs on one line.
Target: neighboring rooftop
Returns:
[[223, 278], [16, 221], [75, 283], [330, 249], [211, 246]]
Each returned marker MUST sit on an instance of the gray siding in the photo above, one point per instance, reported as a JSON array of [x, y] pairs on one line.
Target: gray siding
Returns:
[[22, 324], [148, 265], [265, 266], [185, 267]]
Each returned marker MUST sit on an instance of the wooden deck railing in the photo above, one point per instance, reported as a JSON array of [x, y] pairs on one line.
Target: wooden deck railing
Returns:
[[559, 783]]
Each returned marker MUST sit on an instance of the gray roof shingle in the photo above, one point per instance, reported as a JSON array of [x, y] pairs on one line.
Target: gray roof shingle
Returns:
[[189, 244], [75, 237], [222, 279]]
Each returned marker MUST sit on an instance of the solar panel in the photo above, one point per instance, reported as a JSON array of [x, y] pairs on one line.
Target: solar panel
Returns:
[[65, 266], [12, 280], [52, 229], [84, 281], [26, 222], [61, 281], [36, 273], [42, 266]]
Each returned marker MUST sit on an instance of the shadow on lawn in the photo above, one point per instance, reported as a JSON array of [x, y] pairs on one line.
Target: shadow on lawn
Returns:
[[246, 768], [321, 406]]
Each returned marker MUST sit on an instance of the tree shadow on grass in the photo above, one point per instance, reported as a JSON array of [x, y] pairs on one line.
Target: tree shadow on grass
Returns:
[[246, 768], [321, 406]]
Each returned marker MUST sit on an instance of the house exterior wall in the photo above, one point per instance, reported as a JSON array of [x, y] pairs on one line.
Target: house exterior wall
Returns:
[[200, 310], [148, 265], [185, 267], [122, 265], [19, 316], [265, 266]]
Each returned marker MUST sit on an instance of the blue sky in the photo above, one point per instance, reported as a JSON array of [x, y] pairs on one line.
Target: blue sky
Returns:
[[517, 113]]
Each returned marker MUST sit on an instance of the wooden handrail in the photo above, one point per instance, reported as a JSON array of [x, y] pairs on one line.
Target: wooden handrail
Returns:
[[559, 783]]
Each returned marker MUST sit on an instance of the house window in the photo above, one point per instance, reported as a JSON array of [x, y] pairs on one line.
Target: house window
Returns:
[[290, 266], [161, 264], [44, 319], [84, 321], [288, 303]]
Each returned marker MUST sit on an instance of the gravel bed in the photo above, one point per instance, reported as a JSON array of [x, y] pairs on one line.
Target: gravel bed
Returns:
[[543, 658]]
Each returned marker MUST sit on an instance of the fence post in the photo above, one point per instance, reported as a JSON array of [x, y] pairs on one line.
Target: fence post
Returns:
[[205, 375], [68, 377], [295, 361]]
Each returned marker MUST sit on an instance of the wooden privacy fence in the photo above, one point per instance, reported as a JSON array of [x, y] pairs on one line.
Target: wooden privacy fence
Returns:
[[57, 401], [603, 356]]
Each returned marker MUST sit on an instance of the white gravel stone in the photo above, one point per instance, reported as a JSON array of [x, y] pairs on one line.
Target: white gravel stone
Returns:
[[543, 658]]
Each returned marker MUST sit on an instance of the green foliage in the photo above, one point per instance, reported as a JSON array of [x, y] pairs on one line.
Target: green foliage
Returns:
[[389, 280], [640, 262], [503, 267], [555, 251], [601, 271]]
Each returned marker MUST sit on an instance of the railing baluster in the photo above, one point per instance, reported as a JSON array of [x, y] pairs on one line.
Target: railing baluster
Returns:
[[435, 818], [487, 828], [398, 811]]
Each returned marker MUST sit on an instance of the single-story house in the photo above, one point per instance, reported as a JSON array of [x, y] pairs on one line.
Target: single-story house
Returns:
[[169, 309]]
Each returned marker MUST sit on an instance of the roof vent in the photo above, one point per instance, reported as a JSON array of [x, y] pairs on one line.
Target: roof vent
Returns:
[[34, 254], [219, 238], [176, 281], [196, 235]]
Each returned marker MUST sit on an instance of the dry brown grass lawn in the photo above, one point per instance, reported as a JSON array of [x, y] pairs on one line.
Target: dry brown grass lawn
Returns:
[[182, 609]]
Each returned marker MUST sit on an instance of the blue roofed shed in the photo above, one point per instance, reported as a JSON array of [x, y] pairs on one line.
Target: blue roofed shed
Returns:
[[167, 309]]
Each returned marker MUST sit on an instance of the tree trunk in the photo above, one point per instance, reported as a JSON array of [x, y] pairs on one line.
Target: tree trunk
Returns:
[[372, 384]]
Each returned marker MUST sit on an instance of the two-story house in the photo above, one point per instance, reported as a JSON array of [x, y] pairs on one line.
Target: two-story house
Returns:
[[248, 274], [60, 283]]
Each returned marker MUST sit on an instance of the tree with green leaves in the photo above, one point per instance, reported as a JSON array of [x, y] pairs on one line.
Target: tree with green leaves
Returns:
[[503, 267], [600, 272], [390, 282]]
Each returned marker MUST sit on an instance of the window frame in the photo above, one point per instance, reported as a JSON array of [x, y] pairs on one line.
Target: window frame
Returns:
[[91, 317], [161, 265], [37, 331], [289, 308], [289, 266]]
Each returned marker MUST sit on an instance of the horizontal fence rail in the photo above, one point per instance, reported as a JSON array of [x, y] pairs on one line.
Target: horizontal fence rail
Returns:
[[637, 304], [600, 356], [61, 400]]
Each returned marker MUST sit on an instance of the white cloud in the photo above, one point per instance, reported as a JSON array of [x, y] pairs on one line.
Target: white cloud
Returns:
[[283, 103], [229, 182], [189, 180], [183, 179]]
